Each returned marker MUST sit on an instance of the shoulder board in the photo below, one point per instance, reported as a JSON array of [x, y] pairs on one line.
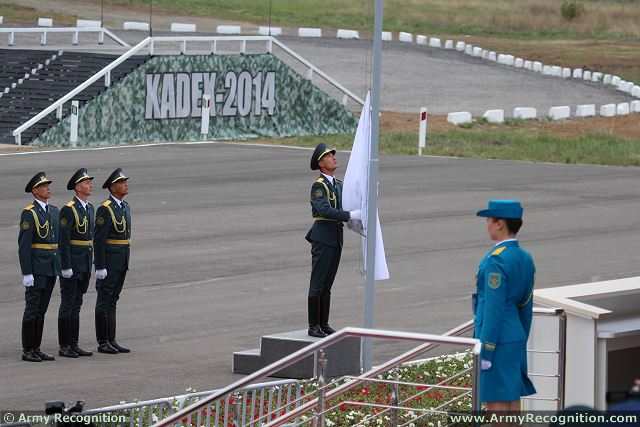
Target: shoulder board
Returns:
[[498, 251], [106, 203], [28, 207], [321, 179], [70, 204]]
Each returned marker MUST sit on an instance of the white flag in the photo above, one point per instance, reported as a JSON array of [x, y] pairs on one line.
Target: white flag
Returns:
[[355, 189]]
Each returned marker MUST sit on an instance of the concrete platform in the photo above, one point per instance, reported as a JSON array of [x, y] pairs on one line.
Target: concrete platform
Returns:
[[343, 357]]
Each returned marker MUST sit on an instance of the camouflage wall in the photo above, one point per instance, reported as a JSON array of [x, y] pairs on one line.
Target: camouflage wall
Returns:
[[252, 96]]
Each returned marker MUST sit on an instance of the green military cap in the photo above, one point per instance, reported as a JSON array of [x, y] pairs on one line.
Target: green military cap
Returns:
[[116, 176], [320, 151], [37, 180], [80, 175]]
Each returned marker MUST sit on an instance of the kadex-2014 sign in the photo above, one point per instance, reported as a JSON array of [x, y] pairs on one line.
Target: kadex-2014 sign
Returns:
[[179, 95]]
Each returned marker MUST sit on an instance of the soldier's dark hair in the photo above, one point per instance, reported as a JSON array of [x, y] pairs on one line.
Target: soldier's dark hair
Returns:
[[513, 225]]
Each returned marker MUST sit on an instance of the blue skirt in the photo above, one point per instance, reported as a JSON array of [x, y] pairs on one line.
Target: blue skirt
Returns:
[[507, 380]]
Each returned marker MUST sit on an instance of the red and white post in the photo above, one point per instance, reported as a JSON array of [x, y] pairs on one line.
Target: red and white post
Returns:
[[422, 135]]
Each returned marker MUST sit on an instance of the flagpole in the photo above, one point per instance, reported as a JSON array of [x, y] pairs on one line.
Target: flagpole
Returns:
[[372, 200]]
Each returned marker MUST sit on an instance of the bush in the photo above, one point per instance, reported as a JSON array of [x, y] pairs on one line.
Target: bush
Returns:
[[571, 10]]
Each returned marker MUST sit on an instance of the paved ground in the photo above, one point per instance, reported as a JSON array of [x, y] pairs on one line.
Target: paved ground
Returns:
[[219, 256]]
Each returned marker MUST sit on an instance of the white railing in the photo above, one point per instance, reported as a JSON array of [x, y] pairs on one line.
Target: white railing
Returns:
[[150, 43], [74, 31]]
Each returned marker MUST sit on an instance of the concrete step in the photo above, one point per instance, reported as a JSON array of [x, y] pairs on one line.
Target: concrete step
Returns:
[[343, 357]]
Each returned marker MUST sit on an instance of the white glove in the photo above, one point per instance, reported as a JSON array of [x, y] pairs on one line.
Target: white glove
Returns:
[[27, 280], [356, 226], [485, 365], [101, 274], [355, 214], [67, 274]]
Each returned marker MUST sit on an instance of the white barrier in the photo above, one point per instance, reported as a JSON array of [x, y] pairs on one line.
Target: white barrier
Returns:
[[135, 26], [596, 77], [45, 22], [537, 66], [485, 54], [460, 46], [501, 58], [270, 31], [628, 88], [615, 80], [477, 51], [435, 42], [586, 110], [586, 75], [525, 113], [566, 73], [556, 71], [459, 118], [177, 27], [229, 29], [493, 56], [422, 40], [348, 34], [608, 110], [448, 44], [577, 73], [469, 49], [309, 32], [87, 23], [494, 116], [559, 113], [607, 79], [518, 63], [635, 92], [405, 37], [422, 132], [622, 109], [635, 106], [528, 65], [387, 36], [547, 70], [1, 20]]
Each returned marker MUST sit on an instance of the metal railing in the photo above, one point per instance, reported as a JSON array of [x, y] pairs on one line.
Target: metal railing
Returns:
[[317, 404], [149, 45], [74, 31]]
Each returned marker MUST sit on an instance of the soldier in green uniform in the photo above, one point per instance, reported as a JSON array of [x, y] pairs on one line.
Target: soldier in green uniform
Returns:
[[326, 237], [76, 253], [39, 263], [111, 242]]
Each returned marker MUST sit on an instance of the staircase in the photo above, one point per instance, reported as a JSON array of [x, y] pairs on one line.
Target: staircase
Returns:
[[33, 80]]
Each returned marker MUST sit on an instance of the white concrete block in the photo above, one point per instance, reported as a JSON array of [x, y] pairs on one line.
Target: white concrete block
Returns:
[[1, 20], [177, 27], [559, 113], [422, 40], [510, 60], [518, 63], [596, 77], [556, 71], [274, 31], [88, 23], [494, 116], [537, 66], [635, 106], [607, 79], [586, 75], [460, 46], [459, 118], [468, 50], [608, 110], [135, 26], [621, 84], [577, 73], [566, 73], [448, 44], [309, 32], [635, 92], [45, 22], [229, 29], [547, 70], [525, 113], [615, 80], [493, 56], [435, 42], [502, 58], [477, 51], [387, 36], [485, 54], [528, 65], [622, 109], [629, 88], [586, 110], [405, 37], [348, 34]]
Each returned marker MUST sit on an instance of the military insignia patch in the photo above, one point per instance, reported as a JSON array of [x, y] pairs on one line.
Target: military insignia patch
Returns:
[[495, 280], [100, 220], [25, 225], [318, 194], [63, 222]]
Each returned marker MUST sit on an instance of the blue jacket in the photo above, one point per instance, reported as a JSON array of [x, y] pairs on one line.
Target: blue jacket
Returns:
[[503, 304]]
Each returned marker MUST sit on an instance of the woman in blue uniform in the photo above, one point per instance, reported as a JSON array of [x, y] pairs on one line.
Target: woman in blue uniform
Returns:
[[503, 309]]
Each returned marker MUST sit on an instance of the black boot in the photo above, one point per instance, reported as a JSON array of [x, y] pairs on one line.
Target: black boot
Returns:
[[28, 339], [102, 334], [38, 340], [112, 334], [75, 332], [64, 334], [313, 307], [325, 307]]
